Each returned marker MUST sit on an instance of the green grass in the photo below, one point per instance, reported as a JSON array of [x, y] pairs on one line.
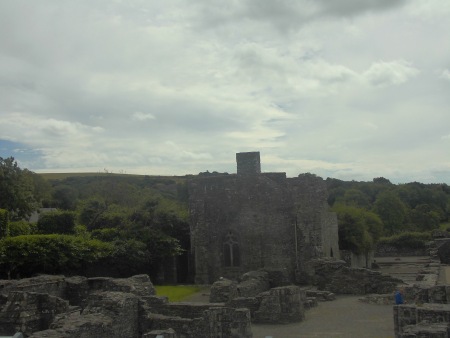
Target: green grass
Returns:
[[444, 226], [178, 292]]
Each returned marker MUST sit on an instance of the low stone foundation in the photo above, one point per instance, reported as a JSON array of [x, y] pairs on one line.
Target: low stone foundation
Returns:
[[107, 307]]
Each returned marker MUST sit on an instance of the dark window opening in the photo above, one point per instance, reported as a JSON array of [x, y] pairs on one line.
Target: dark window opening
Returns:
[[231, 251]]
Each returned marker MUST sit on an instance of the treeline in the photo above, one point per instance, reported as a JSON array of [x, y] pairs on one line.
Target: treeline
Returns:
[[120, 225], [368, 211], [107, 224]]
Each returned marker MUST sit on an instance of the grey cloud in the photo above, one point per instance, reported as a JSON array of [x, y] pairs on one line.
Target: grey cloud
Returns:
[[355, 7], [284, 15]]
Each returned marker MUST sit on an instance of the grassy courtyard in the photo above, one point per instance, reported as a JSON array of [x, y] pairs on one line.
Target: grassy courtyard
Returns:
[[177, 293]]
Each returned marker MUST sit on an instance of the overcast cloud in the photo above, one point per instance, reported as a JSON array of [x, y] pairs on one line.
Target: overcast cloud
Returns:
[[346, 89]]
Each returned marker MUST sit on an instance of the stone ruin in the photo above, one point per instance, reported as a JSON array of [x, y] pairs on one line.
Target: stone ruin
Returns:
[[426, 313], [79, 307], [253, 220]]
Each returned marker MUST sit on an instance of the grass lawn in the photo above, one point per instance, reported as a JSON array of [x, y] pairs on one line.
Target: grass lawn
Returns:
[[176, 293]]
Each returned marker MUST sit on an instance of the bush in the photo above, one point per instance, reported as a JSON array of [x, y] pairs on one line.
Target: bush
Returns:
[[27, 255], [407, 240], [4, 223], [57, 222], [107, 234], [19, 228]]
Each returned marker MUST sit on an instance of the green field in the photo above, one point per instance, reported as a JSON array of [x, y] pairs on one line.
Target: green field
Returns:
[[177, 293]]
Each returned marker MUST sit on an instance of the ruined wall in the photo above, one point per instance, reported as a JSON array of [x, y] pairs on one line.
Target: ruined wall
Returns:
[[253, 214], [251, 221], [317, 226], [111, 308]]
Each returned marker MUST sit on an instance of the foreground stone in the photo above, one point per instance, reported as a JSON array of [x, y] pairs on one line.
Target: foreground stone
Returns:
[[79, 307]]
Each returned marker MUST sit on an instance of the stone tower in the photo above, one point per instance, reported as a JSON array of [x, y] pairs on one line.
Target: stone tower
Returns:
[[252, 220], [248, 164]]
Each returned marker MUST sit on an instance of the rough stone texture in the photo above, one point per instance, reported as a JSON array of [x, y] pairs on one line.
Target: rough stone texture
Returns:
[[251, 303], [257, 221], [185, 310], [111, 308], [28, 312], [253, 283], [281, 305], [49, 284], [223, 291], [321, 295], [229, 322], [158, 333], [336, 277], [411, 318], [425, 330]]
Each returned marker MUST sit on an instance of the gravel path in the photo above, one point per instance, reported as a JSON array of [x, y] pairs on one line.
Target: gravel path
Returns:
[[345, 317]]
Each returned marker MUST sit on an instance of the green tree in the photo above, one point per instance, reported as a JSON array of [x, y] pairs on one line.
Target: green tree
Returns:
[[358, 229], [391, 210], [4, 223], [356, 198], [16, 189], [423, 218], [64, 197]]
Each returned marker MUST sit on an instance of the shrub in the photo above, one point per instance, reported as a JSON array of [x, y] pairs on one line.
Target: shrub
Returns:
[[57, 222], [53, 254], [4, 223], [19, 228], [407, 240]]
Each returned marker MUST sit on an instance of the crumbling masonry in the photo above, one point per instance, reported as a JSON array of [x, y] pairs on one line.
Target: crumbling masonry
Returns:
[[252, 220]]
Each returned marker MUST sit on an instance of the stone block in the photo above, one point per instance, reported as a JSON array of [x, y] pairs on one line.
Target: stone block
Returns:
[[223, 291]]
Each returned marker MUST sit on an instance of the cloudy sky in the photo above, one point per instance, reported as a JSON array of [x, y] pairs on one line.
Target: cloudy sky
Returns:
[[348, 89]]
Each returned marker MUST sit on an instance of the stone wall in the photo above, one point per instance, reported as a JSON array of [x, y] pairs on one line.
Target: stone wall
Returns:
[[107, 307], [242, 223], [29, 312], [338, 278], [282, 304], [427, 319]]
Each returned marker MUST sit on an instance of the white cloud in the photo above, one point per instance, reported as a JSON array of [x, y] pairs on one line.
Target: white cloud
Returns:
[[390, 73], [445, 74], [178, 87], [140, 116]]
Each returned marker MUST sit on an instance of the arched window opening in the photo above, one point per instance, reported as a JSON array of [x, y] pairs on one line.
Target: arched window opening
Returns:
[[231, 251]]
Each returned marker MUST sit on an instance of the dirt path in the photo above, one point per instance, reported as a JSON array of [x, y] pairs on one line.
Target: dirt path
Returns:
[[346, 317]]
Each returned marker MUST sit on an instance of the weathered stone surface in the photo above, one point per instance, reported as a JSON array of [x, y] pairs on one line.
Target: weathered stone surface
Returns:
[[29, 312], [338, 278], [169, 333], [321, 295], [421, 320], [251, 303], [256, 220], [425, 330], [281, 305], [129, 310], [223, 291], [253, 283], [49, 284], [139, 285], [228, 322]]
